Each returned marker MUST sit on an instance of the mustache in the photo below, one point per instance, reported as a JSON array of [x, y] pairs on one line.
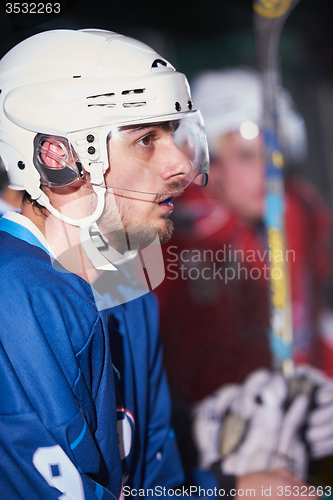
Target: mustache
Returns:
[[173, 190]]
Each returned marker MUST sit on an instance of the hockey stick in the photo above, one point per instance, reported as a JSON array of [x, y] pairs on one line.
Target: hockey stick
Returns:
[[269, 18]]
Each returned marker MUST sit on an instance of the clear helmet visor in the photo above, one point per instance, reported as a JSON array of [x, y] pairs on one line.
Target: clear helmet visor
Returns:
[[148, 157], [161, 157]]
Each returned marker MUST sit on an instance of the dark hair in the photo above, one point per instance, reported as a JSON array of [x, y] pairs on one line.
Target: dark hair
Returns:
[[26, 198]]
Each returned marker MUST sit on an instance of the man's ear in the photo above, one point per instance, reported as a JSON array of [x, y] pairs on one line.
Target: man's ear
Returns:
[[52, 154]]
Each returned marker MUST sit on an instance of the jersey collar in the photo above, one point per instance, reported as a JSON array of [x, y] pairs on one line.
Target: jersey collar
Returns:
[[23, 228]]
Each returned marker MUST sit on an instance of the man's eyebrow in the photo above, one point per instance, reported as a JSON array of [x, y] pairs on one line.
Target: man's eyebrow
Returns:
[[139, 128], [167, 125]]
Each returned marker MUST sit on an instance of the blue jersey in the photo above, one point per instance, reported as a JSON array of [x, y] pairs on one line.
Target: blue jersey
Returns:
[[74, 421]]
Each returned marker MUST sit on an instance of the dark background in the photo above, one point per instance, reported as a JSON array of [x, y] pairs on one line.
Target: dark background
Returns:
[[211, 34]]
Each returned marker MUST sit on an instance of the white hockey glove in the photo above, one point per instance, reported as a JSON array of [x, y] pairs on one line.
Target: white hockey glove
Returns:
[[319, 429], [208, 418], [260, 428]]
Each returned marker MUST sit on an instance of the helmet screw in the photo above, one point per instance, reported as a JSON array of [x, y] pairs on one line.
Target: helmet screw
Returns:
[[21, 165], [178, 106], [91, 150], [90, 138]]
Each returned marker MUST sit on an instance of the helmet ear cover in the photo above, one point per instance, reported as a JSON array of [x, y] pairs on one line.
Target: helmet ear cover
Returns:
[[68, 169]]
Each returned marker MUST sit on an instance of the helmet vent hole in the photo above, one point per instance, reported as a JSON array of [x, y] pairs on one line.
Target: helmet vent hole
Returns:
[[101, 105], [100, 95], [178, 106], [159, 62], [77, 76], [106, 100], [134, 104], [133, 91]]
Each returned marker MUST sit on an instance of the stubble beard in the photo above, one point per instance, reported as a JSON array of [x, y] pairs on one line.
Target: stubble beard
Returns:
[[144, 233], [166, 233], [147, 235]]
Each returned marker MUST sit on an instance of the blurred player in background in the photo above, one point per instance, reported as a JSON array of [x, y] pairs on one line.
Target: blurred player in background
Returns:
[[215, 298]]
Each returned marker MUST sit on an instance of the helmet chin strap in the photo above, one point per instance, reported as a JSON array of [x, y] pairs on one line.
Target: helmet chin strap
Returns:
[[98, 260]]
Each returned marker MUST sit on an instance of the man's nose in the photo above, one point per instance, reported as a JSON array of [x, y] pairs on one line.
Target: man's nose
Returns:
[[176, 165]]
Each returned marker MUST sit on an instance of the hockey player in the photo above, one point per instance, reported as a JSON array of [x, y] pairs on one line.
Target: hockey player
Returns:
[[218, 262], [73, 102], [99, 131]]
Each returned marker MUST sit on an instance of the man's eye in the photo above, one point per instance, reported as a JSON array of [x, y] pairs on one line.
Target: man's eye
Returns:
[[147, 140]]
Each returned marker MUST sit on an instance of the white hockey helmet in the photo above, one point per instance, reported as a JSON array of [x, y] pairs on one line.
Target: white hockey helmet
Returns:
[[77, 89], [232, 100], [80, 86]]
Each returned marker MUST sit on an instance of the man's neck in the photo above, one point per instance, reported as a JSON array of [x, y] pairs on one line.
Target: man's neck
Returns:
[[64, 240], [35, 215]]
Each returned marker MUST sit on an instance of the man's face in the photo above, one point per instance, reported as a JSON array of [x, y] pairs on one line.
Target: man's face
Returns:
[[237, 175], [146, 168]]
